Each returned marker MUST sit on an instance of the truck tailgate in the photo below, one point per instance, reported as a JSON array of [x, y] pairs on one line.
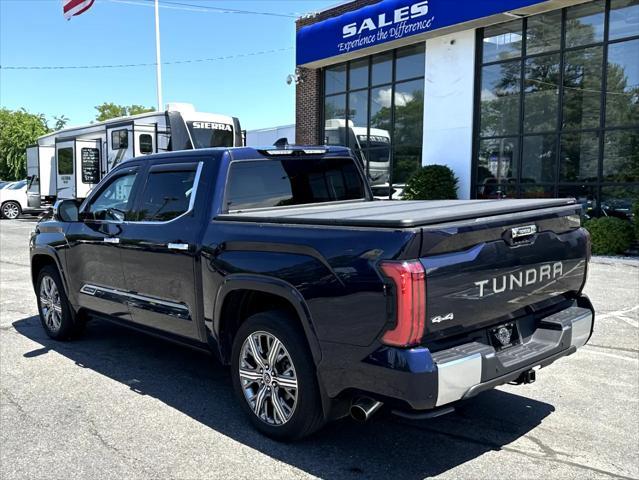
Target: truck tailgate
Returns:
[[499, 277]]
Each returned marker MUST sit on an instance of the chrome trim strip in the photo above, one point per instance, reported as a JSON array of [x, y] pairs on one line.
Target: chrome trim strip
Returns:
[[111, 240], [178, 246], [95, 290], [456, 377]]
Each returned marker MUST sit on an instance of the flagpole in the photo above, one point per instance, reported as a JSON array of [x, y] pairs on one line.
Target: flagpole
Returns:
[[158, 67]]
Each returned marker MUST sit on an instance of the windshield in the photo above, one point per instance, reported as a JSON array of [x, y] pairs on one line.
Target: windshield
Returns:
[[378, 147], [276, 183], [211, 134], [17, 185]]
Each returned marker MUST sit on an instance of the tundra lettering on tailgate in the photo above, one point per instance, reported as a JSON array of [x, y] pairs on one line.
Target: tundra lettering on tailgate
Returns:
[[519, 279]]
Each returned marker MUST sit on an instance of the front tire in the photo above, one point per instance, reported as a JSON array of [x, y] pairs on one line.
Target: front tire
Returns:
[[11, 210], [274, 376], [56, 315]]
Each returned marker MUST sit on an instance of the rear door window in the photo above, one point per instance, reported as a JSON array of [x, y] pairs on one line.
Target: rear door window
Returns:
[[168, 193], [276, 183]]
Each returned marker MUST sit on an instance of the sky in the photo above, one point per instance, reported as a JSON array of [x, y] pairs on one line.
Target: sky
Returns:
[[253, 88]]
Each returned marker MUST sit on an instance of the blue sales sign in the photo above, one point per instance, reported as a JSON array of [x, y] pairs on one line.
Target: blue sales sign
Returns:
[[391, 20]]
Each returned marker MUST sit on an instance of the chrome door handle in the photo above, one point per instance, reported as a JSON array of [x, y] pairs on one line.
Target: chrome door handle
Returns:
[[111, 240], [178, 246]]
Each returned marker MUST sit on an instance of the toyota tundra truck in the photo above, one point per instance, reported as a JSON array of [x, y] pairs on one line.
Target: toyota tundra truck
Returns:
[[323, 301]]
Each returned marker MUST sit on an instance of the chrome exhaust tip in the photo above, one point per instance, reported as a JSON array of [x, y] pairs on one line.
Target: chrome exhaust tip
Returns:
[[363, 408]]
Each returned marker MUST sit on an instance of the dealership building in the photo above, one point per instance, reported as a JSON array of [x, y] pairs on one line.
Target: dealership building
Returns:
[[520, 98]]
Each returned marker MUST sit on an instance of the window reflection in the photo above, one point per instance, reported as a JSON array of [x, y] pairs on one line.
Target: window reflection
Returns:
[[358, 108], [621, 156], [335, 79], [410, 62], [539, 159], [367, 119], [502, 41], [582, 88], [537, 191], [543, 33], [623, 18], [542, 93], [622, 99], [498, 159], [562, 143], [585, 24], [358, 74], [500, 99], [584, 194], [579, 156], [496, 192], [617, 201]]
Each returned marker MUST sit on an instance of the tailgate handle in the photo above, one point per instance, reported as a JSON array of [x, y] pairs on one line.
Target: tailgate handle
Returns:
[[522, 234]]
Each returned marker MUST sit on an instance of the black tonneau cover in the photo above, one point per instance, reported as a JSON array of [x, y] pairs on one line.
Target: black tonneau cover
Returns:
[[391, 214]]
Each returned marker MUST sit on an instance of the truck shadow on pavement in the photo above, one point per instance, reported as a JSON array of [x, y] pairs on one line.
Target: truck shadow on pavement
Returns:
[[193, 383]]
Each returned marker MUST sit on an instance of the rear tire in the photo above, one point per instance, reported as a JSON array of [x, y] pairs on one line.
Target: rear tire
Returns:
[[279, 390], [11, 210], [57, 316]]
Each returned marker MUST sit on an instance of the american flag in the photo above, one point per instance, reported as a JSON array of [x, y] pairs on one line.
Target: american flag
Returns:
[[75, 7]]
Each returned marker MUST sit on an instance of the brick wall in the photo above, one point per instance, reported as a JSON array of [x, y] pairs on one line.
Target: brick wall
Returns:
[[307, 93]]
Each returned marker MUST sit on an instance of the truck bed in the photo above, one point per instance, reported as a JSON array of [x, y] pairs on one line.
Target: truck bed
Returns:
[[392, 214]]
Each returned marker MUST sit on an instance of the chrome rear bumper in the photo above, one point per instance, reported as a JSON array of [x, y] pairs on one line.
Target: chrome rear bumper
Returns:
[[468, 369]]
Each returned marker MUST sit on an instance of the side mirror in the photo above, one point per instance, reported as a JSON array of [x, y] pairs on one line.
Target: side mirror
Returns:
[[66, 210]]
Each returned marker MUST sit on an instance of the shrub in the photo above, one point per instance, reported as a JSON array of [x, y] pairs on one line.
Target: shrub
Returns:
[[432, 182], [610, 235]]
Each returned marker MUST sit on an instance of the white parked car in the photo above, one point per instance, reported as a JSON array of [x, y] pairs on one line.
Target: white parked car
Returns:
[[13, 200]]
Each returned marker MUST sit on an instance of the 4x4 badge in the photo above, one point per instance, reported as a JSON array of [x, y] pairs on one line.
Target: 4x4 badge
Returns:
[[443, 318]]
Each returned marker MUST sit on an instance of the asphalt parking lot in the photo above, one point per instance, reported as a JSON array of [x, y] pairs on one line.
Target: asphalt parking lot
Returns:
[[117, 404]]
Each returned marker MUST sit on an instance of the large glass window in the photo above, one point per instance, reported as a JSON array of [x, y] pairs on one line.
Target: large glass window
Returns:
[[262, 184], [559, 107], [375, 106]]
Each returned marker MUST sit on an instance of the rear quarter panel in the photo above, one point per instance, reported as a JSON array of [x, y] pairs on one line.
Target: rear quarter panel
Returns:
[[333, 269]]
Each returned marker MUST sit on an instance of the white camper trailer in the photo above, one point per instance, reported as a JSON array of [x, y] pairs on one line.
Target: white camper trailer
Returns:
[[70, 162]]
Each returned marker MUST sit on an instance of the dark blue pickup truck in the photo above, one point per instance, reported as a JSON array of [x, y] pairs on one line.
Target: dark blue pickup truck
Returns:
[[322, 300]]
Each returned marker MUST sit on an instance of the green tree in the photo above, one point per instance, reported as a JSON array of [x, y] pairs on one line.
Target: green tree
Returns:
[[112, 110], [432, 182], [60, 122], [18, 130]]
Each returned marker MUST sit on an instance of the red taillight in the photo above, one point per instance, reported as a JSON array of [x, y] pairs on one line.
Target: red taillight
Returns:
[[410, 297]]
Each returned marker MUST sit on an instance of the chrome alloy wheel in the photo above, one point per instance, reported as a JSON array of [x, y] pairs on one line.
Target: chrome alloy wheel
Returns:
[[50, 303], [10, 210], [268, 378]]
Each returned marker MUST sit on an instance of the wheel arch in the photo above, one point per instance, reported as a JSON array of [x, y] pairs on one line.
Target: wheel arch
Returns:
[[43, 257], [241, 296]]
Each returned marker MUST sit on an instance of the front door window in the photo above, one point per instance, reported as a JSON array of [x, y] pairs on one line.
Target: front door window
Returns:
[[114, 201]]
